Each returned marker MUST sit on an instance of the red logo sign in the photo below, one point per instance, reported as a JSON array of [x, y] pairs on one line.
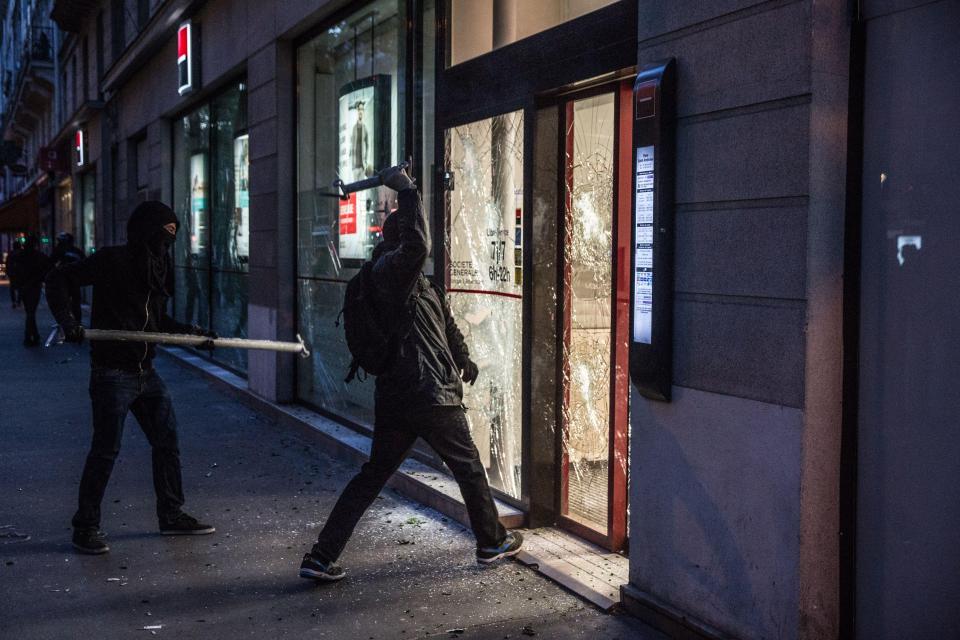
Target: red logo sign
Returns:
[[182, 34], [348, 215], [78, 145], [184, 58]]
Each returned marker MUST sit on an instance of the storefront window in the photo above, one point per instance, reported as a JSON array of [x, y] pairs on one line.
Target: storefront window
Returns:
[[88, 212], [486, 284], [65, 218], [191, 149], [351, 105], [480, 26], [211, 198]]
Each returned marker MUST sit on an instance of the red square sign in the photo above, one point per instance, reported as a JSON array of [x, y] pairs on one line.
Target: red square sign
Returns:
[[348, 215]]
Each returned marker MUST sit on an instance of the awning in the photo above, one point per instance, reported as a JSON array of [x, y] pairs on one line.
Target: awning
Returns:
[[20, 213]]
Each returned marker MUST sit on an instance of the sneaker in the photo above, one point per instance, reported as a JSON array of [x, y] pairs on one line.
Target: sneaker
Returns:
[[508, 548], [90, 541], [185, 525], [313, 569]]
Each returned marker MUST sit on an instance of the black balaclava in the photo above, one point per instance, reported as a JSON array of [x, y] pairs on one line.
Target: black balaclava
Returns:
[[150, 244], [391, 235]]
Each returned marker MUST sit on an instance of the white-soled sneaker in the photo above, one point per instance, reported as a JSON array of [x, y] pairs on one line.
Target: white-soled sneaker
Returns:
[[508, 548]]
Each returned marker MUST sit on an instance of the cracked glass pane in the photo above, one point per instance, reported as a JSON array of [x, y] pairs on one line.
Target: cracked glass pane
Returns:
[[485, 245], [588, 281]]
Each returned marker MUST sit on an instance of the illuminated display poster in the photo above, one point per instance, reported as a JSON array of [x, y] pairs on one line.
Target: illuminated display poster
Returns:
[[198, 202], [241, 197], [643, 248], [363, 123]]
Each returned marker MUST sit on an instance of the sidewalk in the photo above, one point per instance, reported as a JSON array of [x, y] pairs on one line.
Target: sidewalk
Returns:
[[411, 571]]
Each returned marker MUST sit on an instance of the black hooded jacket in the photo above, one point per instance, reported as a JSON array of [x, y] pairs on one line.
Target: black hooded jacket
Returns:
[[432, 351], [131, 285]]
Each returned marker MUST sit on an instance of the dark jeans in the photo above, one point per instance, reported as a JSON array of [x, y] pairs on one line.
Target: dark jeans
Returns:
[[445, 429], [14, 295], [115, 393], [31, 299]]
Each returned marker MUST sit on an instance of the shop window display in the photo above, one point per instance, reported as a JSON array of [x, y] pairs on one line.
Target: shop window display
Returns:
[[88, 212], [211, 198], [351, 101]]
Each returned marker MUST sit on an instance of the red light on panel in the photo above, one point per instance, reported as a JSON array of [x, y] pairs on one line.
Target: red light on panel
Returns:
[[185, 58], [78, 145]]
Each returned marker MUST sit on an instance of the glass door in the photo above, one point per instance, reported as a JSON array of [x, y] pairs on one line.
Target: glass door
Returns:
[[594, 312], [485, 284]]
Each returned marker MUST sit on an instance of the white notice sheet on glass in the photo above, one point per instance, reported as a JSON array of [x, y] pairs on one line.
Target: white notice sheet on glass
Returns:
[[643, 248]]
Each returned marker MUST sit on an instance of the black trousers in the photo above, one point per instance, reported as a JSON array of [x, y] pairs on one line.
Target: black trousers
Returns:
[[446, 430], [115, 393], [31, 299]]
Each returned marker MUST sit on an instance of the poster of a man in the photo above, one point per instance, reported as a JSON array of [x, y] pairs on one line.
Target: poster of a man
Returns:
[[364, 111], [360, 144]]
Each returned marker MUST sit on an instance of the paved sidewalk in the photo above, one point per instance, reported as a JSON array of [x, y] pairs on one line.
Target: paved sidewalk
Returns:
[[411, 571]]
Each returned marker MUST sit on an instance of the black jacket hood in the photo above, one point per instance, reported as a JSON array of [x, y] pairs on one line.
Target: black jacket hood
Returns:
[[148, 218]]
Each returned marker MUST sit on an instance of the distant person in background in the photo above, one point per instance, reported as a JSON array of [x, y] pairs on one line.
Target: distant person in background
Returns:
[[28, 269], [64, 253], [11, 259]]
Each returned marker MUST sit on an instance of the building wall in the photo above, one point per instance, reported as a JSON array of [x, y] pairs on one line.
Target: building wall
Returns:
[[723, 527]]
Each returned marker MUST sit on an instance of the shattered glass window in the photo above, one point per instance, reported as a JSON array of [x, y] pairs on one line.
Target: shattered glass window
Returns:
[[588, 282], [350, 109], [485, 245]]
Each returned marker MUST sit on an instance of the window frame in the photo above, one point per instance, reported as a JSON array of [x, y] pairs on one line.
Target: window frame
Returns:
[[207, 100]]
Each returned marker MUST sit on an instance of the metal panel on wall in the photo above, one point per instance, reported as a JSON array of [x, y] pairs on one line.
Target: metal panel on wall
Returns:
[[908, 514]]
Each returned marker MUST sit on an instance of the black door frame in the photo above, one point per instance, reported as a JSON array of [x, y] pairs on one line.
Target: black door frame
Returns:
[[851, 330]]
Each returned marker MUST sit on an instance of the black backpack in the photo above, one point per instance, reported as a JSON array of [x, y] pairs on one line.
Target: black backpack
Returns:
[[373, 348]]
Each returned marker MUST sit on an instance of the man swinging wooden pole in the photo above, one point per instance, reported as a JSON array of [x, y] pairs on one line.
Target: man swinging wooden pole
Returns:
[[131, 285]]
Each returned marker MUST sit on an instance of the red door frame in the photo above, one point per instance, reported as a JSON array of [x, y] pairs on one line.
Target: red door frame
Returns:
[[615, 537]]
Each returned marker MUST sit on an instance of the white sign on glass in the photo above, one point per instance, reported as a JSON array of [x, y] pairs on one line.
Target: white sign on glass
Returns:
[[643, 247]]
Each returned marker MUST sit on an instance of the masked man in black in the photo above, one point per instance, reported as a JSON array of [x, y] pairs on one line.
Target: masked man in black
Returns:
[[11, 266], [64, 253], [131, 285], [27, 271], [420, 394]]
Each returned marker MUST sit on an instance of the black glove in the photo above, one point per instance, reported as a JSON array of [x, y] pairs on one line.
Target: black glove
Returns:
[[396, 178], [73, 332], [200, 331], [469, 371]]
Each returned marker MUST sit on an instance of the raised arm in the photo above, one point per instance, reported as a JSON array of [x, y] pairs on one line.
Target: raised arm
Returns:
[[397, 270]]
